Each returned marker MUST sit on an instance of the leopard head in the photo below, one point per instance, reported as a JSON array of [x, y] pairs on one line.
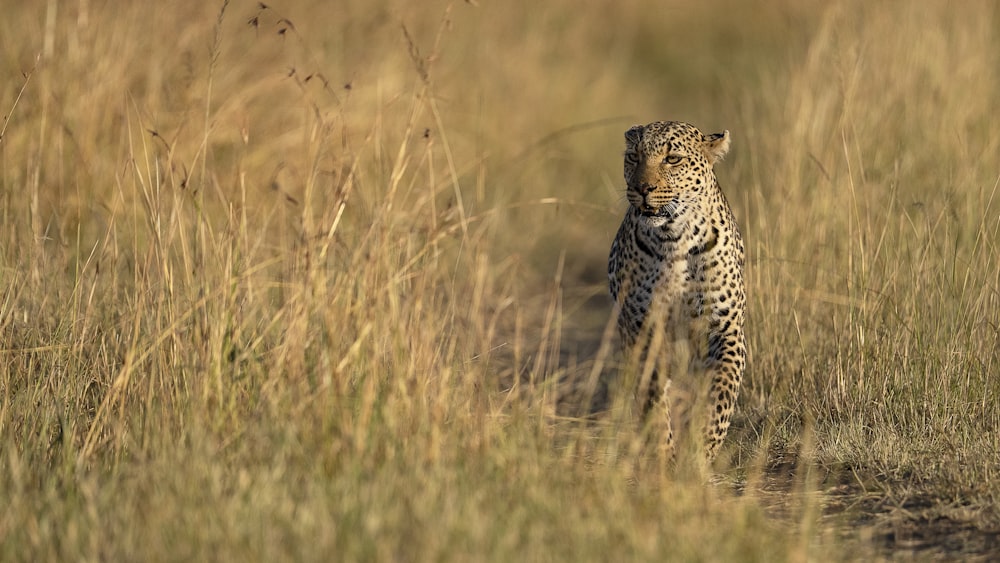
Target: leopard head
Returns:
[[668, 165]]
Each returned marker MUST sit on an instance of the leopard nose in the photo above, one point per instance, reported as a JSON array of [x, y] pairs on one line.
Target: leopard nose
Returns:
[[644, 188]]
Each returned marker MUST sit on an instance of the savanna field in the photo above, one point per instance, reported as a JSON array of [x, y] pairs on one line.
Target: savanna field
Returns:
[[327, 280]]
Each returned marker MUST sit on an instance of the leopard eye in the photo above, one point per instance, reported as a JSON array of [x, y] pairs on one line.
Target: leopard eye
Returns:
[[673, 159]]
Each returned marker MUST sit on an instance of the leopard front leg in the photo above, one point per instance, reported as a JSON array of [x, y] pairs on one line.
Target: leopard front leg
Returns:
[[655, 412], [649, 361], [725, 368]]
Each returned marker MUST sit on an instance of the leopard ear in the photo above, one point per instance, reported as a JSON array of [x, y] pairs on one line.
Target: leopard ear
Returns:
[[633, 135], [716, 146]]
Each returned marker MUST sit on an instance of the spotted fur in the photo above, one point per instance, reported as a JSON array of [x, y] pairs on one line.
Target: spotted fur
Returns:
[[676, 274]]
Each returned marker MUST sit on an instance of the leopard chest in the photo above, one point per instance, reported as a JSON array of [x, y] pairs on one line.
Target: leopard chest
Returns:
[[656, 267]]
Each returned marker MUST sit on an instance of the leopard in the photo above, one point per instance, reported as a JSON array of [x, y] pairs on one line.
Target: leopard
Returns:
[[676, 277]]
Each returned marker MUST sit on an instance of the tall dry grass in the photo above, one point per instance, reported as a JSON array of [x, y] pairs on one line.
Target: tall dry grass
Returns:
[[874, 259], [310, 281]]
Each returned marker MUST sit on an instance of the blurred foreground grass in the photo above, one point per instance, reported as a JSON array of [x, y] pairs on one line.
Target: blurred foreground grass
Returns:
[[315, 281]]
